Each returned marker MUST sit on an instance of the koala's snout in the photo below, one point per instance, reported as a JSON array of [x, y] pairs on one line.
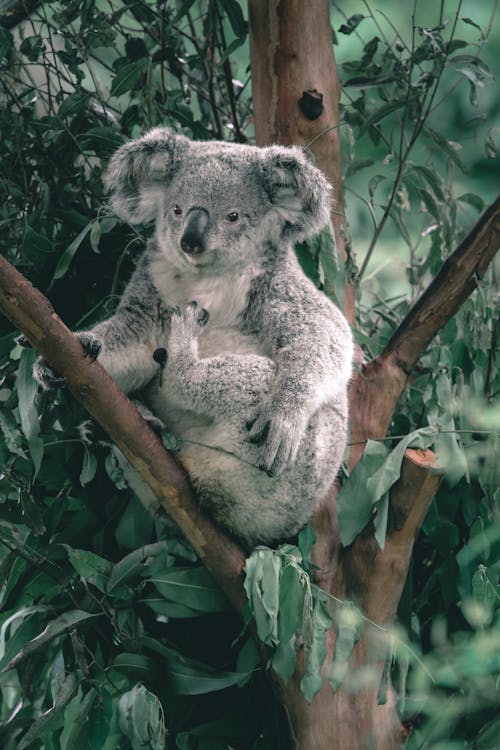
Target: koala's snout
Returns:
[[195, 229]]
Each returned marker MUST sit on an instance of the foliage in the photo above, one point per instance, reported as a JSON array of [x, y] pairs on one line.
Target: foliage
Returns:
[[111, 634]]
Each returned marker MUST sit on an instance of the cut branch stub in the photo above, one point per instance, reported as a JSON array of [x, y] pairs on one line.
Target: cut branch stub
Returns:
[[376, 577]]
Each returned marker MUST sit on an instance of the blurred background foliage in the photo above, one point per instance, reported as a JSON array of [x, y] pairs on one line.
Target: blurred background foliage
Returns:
[[102, 643]]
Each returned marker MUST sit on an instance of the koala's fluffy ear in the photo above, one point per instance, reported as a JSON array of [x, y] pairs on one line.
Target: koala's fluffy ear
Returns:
[[138, 171], [297, 190]]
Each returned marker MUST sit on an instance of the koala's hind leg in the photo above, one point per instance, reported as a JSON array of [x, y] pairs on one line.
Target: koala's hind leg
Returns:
[[225, 385]]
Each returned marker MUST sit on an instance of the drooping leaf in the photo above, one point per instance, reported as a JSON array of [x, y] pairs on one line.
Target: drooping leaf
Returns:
[[89, 466], [348, 631], [127, 77], [193, 587], [94, 569], [132, 565], [58, 626], [74, 735], [311, 682], [141, 719], [52, 719], [26, 391], [263, 570], [68, 255]]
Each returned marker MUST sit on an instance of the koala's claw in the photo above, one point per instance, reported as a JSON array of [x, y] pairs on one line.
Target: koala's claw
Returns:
[[194, 316], [280, 437], [91, 346], [46, 376]]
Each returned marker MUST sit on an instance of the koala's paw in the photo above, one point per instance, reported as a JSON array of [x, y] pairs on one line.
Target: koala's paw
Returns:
[[280, 435], [191, 320], [49, 378], [186, 325]]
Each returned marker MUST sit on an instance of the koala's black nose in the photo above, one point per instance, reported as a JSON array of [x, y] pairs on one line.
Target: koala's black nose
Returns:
[[193, 237]]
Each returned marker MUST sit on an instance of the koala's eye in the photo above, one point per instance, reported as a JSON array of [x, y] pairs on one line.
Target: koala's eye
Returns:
[[233, 216], [177, 210]]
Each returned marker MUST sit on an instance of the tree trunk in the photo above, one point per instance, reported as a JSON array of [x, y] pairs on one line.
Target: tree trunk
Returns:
[[296, 101], [296, 92]]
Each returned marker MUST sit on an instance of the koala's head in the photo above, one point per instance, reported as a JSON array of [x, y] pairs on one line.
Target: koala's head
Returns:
[[217, 204]]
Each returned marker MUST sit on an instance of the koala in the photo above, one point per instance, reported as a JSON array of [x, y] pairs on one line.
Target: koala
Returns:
[[220, 333]]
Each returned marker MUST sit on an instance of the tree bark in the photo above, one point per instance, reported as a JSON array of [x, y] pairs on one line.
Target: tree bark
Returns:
[[296, 93]]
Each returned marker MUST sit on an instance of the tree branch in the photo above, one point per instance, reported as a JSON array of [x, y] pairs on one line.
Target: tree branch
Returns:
[[456, 280], [32, 314], [375, 391]]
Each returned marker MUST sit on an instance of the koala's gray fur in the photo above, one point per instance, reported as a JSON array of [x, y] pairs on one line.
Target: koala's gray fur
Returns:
[[266, 379]]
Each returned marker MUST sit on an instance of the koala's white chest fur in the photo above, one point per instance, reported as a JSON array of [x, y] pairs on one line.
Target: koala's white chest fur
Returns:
[[225, 298]]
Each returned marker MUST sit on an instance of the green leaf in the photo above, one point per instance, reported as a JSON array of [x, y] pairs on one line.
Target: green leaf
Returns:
[[53, 719], [235, 16], [368, 82], [74, 103], [193, 587], [448, 147], [132, 565], [472, 200], [74, 735], [351, 24], [381, 113], [358, 165], [61, 624], [354, 503], [432, 178], [371, 480], [92, 568], [89, 466], [11, 433], [141, 719], [284, 659], [331, 265], [263, 569], [135, 526], [171, 609], [27, 391], [35, 244], [483, 590], [311, 682], [348, 631], [127, 77], [136, 666], [65, 260]]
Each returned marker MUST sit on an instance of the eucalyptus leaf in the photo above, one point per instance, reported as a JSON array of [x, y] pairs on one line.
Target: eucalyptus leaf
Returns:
[[94, 569], [311, 682], [141, 719], [192, 587], [348, 632], [26, 392]]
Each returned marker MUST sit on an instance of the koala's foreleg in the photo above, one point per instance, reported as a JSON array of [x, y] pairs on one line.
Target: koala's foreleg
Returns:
[[225, 385]]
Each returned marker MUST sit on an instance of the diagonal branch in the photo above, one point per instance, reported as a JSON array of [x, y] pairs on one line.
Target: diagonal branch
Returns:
[[375, 391], [456, 280], [32, 314]]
